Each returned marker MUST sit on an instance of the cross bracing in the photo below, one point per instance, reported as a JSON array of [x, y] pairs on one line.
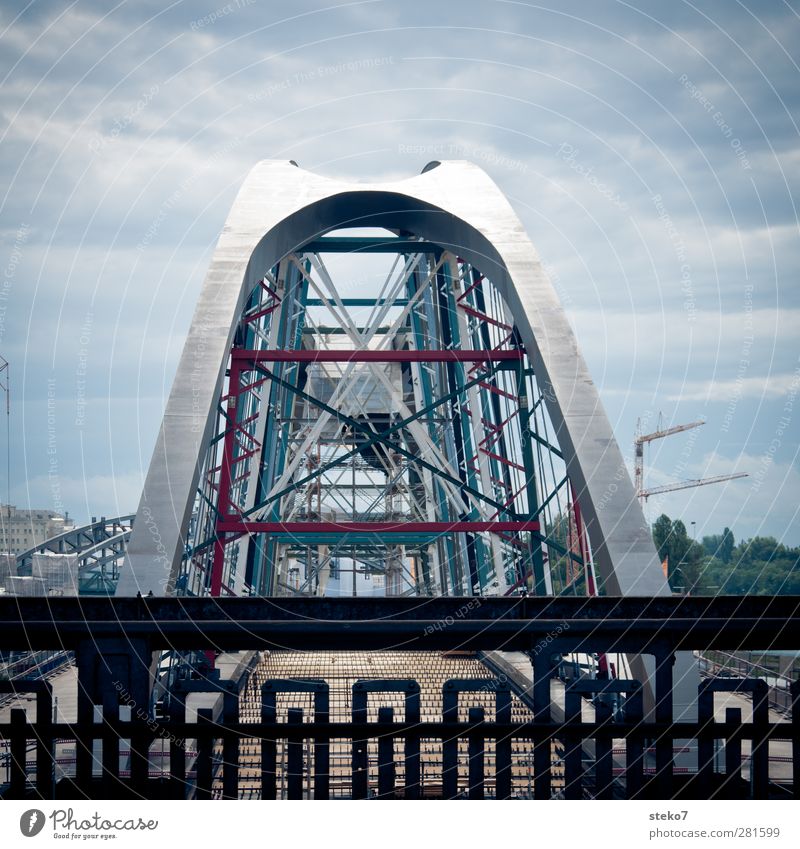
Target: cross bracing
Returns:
[[399, 434]]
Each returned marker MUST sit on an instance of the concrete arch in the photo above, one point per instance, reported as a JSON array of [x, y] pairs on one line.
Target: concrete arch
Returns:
[[279, 208]]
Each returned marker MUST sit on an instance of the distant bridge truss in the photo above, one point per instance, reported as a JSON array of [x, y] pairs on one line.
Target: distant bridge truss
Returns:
[[95, 552]]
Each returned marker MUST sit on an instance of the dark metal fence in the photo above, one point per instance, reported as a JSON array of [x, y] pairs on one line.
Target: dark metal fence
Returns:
[[720, 664], [625, 752]]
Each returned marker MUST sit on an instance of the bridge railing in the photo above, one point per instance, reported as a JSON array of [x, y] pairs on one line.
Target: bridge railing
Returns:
[[121, 750], [718, 664]]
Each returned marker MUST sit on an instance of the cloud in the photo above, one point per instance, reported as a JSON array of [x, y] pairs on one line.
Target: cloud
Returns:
[[767, 387], [83, 497], [126, 133]]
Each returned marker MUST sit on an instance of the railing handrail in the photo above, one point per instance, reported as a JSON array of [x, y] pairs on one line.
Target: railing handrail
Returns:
[[618, 624]]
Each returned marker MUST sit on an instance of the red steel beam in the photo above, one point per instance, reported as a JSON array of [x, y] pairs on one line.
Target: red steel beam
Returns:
[[497, 391], [470, 288], [370, 356], [483, 317], [236, 526], [261, 313], [501, 459], [225, 475]]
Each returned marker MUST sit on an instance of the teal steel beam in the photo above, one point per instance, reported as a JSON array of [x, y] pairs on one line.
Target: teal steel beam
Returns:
[[359, 302], [468, 450], [291, 323], [545, 444], [365, 538], [490, 402], [369, 245], [327, 330], [551, 543], [426, 388], [535, 554], [547, 500]]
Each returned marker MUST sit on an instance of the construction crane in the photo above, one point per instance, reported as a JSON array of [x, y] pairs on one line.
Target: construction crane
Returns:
[[671, 487], [638, 445]]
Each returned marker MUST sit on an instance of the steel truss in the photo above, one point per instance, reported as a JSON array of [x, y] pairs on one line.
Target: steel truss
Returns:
[[411, 445]]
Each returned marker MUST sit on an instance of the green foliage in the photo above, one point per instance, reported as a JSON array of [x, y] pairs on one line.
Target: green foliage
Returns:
[[662, 528], [726, 549], [720, 546], [758, 566], [683, 555]]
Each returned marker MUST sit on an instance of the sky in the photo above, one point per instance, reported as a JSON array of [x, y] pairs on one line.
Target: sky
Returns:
[[651, 150]]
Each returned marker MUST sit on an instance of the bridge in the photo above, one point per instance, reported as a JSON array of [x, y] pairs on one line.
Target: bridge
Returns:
[[387, 544]]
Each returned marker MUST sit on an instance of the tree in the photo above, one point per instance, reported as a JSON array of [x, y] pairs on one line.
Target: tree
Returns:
[[679, 543], [726, 546], [692, 569], [712, 545], [683, 555], [762, 549], [758, 566], [662, 528]]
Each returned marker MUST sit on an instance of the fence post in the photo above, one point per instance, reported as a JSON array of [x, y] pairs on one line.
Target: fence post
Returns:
[[543, 668], [733, 754], [573, 747], [204, 763], [603, 767], [294, 757], [634, 747], [665, 660], [502, 745], [230, 743], [45, 745], [269, 745], [795, 693], [759, 762], [476, 754], [177, 748], [360, 762], [19, 753], [450, 743], [386, 766]]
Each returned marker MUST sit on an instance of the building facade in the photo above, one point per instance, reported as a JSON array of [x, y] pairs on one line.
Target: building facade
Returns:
[[24, 529]]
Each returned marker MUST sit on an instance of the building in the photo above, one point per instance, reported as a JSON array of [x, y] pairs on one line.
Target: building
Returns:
[[24, 529]]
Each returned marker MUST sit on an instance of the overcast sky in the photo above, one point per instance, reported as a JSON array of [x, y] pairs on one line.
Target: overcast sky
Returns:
[[651, 150]]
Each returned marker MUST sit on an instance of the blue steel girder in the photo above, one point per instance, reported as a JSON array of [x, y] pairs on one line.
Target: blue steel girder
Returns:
[[98, 548], [281, 401], [535, 548], [465, 449]]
